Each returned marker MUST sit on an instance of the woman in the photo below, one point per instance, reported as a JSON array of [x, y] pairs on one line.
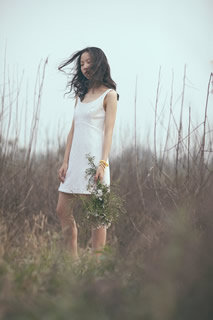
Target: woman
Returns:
[[91, 132]]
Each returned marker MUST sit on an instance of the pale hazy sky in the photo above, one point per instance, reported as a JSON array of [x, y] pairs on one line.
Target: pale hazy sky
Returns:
[[137, 37]]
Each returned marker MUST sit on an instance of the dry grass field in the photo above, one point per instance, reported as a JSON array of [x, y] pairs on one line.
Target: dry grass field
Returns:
[[158, 259]]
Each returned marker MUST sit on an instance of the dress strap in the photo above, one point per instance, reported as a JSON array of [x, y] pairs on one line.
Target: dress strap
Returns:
[[105, 93]]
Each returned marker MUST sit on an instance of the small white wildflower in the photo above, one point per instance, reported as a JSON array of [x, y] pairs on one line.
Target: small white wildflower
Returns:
[[100, 193]]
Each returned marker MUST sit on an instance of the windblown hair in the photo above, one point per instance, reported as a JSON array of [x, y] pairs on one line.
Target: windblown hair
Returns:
[[100, 72]]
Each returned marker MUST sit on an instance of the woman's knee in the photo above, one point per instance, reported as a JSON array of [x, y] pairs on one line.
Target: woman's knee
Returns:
[[63, 204]]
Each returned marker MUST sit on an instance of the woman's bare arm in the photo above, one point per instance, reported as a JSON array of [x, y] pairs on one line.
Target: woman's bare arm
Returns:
[[111, 109], [63, 170], [69, 144], [69, 140]]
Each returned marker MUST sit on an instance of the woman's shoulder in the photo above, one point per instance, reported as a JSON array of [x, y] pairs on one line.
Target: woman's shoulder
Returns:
[[113, 94]]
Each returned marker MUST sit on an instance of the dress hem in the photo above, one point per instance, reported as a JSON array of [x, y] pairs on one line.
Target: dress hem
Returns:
[[73, 192]]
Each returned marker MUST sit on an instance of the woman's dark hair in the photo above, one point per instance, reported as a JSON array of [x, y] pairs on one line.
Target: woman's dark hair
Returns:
[[100, 71]]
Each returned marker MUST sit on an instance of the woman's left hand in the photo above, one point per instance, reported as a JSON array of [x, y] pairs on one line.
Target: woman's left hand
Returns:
[[99, 174]]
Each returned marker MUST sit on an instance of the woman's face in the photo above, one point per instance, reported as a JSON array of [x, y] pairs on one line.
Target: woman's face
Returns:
[[86, 63]]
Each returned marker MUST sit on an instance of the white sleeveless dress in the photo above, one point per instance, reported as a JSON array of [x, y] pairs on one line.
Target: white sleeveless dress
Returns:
[[87, 138]]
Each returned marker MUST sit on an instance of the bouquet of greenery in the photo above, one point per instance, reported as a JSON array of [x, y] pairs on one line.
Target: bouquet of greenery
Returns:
[[104, 205]]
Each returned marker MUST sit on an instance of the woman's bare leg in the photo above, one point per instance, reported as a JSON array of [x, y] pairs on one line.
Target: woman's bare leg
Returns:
[[98, 240], [65, 212]]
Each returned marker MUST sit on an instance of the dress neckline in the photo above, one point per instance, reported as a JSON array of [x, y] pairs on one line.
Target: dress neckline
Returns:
[[96, 98]]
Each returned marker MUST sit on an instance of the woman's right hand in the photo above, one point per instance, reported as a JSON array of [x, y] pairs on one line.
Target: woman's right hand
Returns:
[[62, 172]]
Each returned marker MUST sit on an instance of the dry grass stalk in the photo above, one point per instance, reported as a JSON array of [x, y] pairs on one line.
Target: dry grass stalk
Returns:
[[180, 129], [203, 142], [136, 156]]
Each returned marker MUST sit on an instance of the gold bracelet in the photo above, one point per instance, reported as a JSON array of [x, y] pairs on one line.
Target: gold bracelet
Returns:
[[104, 162]]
